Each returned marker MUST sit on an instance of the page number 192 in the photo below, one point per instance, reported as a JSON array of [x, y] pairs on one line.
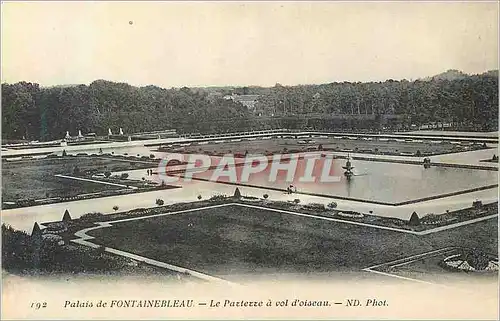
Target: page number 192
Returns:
[[38, 305]]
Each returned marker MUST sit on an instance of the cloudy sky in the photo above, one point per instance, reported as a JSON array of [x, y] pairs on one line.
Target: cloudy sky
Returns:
[[234, 43]]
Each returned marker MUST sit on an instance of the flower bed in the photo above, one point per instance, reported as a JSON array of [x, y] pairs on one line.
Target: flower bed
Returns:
[[350, 214], [458, 263]]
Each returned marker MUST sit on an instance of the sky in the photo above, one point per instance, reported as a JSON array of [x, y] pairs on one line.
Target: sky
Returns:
[[174, 44]]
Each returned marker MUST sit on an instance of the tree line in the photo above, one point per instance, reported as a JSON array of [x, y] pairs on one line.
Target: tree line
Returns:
[[471, 101], [33, 112]]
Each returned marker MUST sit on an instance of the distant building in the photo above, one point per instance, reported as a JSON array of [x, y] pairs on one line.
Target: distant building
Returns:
[[214, 96], [248, 101]]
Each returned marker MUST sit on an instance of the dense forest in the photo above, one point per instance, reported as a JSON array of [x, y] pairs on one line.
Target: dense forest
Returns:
[[39, 113]]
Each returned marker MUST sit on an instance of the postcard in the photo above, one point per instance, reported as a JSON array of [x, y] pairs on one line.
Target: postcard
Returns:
[[249, 160]]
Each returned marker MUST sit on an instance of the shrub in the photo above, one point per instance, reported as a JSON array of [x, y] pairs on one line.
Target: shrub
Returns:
[[237, 193], [296, 201], [433, 218], [66, 216], [152, 156], [159, 202], [218, 197], [36, 230], [91, 216], [26, 202], [266, 196], [476, 259], [101, 250], [56, 227], [199, 197], [115, 207], [107, 174], [64, 153], [414, 219], [315, 206], [332, 205], [52, 239], [124, 175], [418, 153]]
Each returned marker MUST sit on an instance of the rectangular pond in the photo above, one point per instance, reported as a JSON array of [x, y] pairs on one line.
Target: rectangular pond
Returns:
[[373, 181]]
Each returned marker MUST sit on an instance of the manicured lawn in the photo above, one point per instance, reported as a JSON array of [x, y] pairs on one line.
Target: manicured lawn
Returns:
[[278, 144], [237, 240], [34, 179]]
